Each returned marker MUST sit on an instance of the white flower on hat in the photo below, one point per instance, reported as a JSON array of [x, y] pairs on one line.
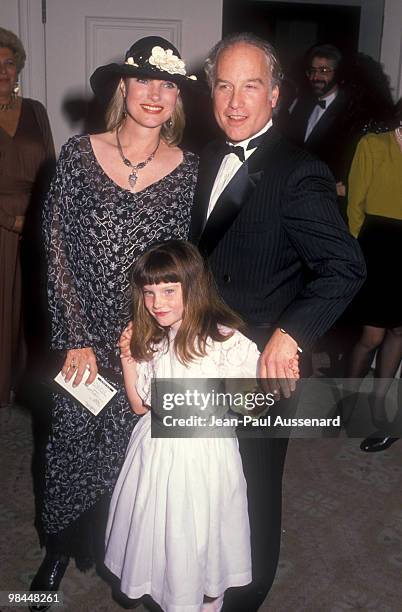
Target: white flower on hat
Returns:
[[165, 60], [131, 62]]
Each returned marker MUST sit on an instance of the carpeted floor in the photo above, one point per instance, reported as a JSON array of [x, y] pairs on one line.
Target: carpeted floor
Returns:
[[342, 528]]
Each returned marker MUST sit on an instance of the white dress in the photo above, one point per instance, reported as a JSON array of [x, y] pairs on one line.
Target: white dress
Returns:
[[178, 523]]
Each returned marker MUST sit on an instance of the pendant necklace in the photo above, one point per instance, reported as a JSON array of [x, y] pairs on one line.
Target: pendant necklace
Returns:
[[133, 176], [8, 105]]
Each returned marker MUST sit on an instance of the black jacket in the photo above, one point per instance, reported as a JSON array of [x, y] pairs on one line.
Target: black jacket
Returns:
[[279, 251], [330, 138]]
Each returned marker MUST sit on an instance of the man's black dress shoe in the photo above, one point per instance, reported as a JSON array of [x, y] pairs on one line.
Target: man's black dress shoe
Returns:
[[376, 443], [48, 577]]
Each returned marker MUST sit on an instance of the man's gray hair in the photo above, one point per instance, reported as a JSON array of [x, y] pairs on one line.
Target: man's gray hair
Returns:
[[250, 39]]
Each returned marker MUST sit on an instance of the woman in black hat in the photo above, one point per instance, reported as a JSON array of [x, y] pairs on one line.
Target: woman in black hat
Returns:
[[114, 195]]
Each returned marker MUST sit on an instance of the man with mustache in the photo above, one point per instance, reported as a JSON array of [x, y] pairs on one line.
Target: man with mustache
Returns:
[[316, 121]]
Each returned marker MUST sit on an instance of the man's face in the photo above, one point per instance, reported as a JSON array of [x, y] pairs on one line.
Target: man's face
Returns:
[[242, 96], [322, 76]]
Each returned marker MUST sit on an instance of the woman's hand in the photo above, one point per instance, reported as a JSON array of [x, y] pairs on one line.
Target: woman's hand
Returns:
[[125, 341], [19, 224], [76, 363]]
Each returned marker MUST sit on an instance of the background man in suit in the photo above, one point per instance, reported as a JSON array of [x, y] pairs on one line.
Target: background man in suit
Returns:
[[266, 218], [317, 119]]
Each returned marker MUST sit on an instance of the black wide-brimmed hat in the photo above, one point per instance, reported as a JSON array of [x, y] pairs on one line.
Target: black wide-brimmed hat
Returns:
[[151, 57]]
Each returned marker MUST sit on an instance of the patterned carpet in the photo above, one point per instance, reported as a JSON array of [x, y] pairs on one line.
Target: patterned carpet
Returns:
[[342, 528]]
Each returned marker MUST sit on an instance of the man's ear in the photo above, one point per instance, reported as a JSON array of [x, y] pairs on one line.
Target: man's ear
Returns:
[[275, 96]]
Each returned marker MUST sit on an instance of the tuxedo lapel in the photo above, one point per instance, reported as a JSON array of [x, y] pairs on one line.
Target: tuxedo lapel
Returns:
[[226, 209], [236, 194], [327, 119]]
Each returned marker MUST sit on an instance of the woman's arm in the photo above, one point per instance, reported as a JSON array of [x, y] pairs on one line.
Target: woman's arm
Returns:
[[360, 176], [71, 329]]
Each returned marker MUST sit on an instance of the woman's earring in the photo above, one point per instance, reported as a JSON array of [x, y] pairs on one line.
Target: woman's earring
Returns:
[[169, 124], [16, 89], [124, 107]]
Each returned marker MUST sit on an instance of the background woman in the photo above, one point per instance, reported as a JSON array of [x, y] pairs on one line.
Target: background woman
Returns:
[[113, 196], [375, 218], [26, 149]]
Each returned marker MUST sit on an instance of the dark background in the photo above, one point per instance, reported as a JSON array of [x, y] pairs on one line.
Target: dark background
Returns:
[[293, 27]]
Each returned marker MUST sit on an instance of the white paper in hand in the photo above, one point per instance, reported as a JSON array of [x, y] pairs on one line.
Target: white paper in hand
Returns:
[[94, 396]]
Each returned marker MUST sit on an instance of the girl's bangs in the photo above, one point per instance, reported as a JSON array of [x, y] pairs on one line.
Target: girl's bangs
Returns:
[[155, 269]]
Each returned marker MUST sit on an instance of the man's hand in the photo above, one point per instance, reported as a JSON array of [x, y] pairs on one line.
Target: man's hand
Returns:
[[279, 362], [125, 341], [340, 189], [76, 363]]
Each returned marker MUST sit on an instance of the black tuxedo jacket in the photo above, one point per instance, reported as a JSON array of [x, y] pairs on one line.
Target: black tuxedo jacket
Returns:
[[279, 251], [329, 138]]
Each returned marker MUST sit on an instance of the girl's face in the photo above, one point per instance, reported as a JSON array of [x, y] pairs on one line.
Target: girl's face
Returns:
[[150, 102], [164, 303]]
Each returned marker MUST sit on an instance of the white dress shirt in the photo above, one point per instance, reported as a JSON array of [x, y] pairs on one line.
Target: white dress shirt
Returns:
[[318, 113], [230, 165]]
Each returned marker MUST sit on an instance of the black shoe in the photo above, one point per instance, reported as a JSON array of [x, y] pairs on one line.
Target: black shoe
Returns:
[[48, 577], [376, 444]]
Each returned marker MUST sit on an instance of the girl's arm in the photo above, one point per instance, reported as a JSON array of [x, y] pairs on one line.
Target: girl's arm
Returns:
[[129, 368]]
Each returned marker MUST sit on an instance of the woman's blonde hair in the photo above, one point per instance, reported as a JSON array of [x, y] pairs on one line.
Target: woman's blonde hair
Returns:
[[172, 130], [177, 261], [9, 40]]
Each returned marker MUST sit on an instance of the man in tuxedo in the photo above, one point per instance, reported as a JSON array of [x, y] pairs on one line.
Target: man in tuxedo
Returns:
[[265, 217], [317, 119]]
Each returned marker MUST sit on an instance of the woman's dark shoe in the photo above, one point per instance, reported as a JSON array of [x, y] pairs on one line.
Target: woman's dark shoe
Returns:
[[377, 443], [48, 577]]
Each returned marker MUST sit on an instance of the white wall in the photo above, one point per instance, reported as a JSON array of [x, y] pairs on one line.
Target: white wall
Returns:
[[79, 35], [9, 14], [391, 47]]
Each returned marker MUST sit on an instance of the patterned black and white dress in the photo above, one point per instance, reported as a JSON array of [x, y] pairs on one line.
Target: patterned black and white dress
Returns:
[[94, 231]]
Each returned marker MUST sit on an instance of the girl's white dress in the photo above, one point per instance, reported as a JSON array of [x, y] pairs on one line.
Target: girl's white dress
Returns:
[[178, 524]]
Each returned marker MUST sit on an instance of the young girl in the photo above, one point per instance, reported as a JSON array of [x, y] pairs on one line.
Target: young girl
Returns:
[[178, 526]]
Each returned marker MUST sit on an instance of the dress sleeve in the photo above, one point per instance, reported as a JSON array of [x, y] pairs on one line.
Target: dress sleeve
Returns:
[[69, 321], [44, 125], [144, 379], [7, 221], [241, 357], [360, 177]]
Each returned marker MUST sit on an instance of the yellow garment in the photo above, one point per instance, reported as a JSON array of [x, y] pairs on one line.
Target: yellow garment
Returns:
[[375, 180]]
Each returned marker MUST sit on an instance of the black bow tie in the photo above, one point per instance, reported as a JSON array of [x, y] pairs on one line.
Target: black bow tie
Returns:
[[239, 151], [322, 103]]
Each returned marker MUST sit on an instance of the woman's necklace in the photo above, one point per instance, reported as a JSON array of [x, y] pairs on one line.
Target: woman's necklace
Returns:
[[133, 176], [8, 105]]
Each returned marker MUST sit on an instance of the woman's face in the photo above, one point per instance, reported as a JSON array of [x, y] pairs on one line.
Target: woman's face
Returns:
[[8, 72], [150, 102]]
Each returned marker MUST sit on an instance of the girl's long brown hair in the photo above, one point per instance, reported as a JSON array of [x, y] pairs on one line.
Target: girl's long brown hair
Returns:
[[177, 261]]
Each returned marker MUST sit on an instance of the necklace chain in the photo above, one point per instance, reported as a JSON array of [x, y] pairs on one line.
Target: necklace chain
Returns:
[[133, 176], [8, 105]]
